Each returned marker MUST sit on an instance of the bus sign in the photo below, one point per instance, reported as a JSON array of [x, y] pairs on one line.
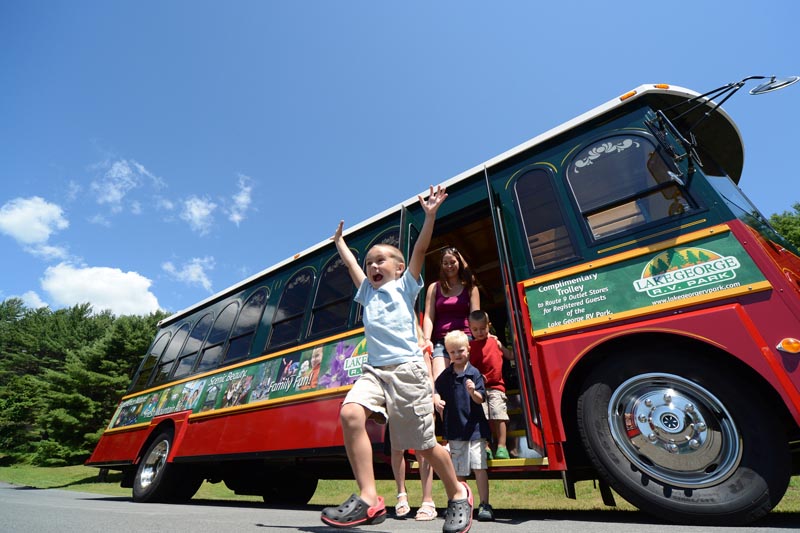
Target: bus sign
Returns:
[[695, 267]]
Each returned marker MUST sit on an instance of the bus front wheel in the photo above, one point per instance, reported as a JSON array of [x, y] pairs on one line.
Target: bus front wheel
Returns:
[[157, 480], [682, 439]]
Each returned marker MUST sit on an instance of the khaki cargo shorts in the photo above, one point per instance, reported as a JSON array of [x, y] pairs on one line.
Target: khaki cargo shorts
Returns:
[[400, 394], [495, 407]]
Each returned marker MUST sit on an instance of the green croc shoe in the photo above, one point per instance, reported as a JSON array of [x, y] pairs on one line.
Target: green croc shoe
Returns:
[[501, 453]]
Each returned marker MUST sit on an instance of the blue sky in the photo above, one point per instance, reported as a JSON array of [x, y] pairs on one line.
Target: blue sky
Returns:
[[153, 153]]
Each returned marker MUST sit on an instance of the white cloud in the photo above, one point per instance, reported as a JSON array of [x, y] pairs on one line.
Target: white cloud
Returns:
[[123, 293], [198, 212], [48, 252], [193, 272], [117, 181], [100, 220], [73, 191], [164, 204], [136, 208], [241, 200], [31, 220], [32, 300]]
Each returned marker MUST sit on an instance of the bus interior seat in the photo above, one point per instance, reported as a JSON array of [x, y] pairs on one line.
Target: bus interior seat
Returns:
[[550, 245], [616, 219]]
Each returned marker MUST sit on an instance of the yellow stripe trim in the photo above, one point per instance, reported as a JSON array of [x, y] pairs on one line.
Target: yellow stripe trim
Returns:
[[638, 252], [246, 362], [660, 233], [650, 309]]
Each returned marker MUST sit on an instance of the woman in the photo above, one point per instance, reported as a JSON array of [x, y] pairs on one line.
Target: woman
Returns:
[[448, 303]]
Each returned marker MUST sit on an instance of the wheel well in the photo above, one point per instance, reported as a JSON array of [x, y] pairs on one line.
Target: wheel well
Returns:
[[627, 346], [165, 425]]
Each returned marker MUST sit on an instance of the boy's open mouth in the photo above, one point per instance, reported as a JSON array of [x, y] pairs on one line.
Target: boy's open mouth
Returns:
[[377, 277]]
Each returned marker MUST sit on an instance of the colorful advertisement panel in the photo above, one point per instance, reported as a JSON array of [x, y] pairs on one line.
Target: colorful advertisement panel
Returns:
[[289, 375], [643, 282]]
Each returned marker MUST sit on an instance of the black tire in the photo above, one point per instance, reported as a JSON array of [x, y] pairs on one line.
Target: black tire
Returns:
[[682, 439], [157, 480], [291, 490]]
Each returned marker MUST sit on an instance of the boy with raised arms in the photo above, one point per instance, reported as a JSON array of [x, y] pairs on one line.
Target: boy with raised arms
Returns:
[[394, 383]]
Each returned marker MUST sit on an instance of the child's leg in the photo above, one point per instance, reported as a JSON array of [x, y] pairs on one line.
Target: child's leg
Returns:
[[426, 478], [501, 427], [399, 469], [482, 480], [443, 466], [359, 449]]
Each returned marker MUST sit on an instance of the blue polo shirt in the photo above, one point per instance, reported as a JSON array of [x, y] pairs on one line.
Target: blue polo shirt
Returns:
[[389, 324], [463, 418]]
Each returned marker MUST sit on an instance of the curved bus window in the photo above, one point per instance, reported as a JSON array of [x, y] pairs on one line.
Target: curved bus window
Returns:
[[246, 324], [331, 307], [212, 350], [543, 219], [190, 350], [168, 358], [622, 182], [149, 363], [291, 309]]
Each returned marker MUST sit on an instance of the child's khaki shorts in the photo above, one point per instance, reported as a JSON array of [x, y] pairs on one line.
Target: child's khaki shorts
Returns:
[[400, 394], [495, 407]]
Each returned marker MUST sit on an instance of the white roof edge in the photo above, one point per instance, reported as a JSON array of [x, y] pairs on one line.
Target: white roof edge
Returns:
[[553, 132]]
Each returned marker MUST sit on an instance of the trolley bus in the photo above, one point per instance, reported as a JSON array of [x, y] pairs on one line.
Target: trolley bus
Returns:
[[654, 317]]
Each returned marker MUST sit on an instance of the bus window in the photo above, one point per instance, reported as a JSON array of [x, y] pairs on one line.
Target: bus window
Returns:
[[291, 309], [150, 362], [546, 230], [622, 182], [332, 304], [165, 363], [245, 328], [212, 351], [189, 353]]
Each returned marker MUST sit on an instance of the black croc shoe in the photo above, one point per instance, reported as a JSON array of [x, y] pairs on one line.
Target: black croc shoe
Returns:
[[354, 512], [458, 518]]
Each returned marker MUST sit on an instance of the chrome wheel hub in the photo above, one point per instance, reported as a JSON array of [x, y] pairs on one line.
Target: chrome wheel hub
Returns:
[[153, 463], [674, 430]]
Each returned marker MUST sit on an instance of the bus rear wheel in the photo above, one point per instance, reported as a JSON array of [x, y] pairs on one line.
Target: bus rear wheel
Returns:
[[157, 480], [680, 438], [291, 490]]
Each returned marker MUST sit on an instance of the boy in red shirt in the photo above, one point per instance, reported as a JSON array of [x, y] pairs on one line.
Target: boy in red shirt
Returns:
[[487, 354]]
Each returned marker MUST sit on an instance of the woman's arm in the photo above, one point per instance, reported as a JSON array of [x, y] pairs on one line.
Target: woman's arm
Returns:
[[474, 299], [430, 313]]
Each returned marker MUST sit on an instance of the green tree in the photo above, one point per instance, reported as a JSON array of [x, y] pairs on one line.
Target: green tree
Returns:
[[788, 224], [62, 374]]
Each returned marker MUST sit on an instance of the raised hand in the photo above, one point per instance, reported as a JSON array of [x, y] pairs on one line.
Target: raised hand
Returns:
[[338, 233], [431, 204]]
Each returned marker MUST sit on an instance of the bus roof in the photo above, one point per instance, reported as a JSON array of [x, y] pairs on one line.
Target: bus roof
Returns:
[[719, 135]]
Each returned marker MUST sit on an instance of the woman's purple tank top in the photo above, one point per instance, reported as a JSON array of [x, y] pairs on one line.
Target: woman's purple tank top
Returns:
[[452, 313]]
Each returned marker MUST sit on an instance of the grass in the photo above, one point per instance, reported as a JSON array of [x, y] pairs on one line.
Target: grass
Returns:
[[505, 494]]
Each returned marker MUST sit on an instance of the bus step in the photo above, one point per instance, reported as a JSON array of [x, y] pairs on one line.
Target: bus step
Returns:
[[504, 463]]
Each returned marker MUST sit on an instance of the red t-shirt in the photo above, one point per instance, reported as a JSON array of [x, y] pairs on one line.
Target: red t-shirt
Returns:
[[487, 357]]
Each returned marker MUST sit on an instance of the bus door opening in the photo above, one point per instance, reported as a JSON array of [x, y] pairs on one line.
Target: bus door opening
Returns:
[[471, 230]]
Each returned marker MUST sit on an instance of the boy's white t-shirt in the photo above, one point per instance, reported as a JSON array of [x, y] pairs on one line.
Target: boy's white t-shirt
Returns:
[[389, 320]]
